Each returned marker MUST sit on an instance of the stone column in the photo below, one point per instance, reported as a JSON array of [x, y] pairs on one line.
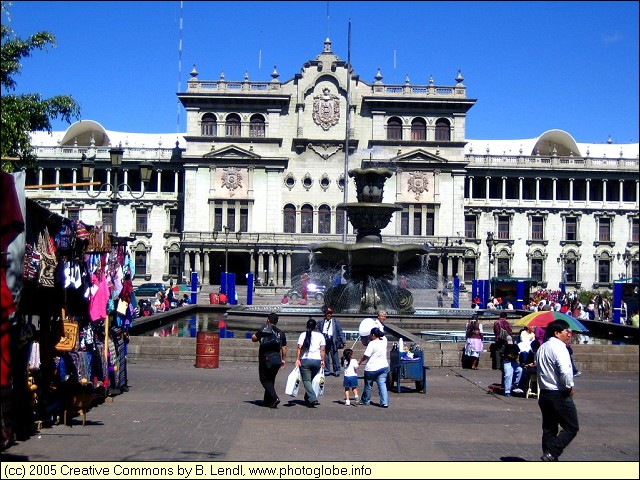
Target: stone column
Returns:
[[197, 267], [205, 274], [571, 192], [280, 260], [288, 270]]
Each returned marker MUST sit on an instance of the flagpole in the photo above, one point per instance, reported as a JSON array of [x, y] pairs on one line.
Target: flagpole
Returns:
[[346, 143]]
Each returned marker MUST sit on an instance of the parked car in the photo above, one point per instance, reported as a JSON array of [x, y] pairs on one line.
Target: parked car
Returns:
[[149, 289], [314, 290]]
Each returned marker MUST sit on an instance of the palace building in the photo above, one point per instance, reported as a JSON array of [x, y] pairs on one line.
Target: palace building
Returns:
[[258, 174]]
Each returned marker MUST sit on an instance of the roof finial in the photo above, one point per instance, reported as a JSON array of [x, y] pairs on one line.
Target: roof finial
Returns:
[[327, 46]]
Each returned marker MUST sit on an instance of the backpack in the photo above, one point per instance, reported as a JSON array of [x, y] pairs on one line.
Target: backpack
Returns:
[[270, 340]]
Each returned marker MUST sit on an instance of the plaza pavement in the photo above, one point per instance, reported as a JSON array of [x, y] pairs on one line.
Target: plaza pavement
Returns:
[[176, 412]]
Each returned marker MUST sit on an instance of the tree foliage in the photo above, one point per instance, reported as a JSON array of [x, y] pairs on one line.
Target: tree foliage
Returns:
[[25, 113]]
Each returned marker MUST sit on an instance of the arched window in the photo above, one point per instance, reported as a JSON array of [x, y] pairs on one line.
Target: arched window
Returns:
[[233, 126], [339, 221], [443, 130], [208, 126], [418, 129], [394, 129], [256, 127], [306, 219], [324, 219], [289, 216]]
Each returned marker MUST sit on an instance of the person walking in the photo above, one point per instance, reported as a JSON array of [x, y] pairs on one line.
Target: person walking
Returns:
[[310, 359], [334, 339], [376, 369], [350, 381], [555, 380], [272, 355]]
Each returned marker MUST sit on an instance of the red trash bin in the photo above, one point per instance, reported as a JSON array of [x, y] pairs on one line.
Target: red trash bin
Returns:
[[213, 299], [207, 350]]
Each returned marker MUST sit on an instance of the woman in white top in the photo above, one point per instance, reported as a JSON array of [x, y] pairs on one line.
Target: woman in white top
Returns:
[[310, 359], [376, 369]]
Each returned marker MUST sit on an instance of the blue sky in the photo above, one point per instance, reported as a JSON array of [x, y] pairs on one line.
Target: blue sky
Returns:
[[532, 66]]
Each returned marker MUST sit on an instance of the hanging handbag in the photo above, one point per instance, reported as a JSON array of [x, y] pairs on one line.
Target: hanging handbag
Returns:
[[69, 339], [272, 359], [48, 261], [31, 264]]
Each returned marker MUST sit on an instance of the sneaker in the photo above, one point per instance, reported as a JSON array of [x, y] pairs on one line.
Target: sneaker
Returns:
[[384, 405], [517, 390], [347, 402], [547, 457], [275, 403], [362, 403], [355, 399]]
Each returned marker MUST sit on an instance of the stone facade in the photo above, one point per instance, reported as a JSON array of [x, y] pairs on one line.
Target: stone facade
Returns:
[[267, 160]]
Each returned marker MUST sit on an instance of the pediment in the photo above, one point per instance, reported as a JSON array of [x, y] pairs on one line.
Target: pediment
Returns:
[[419, 156], [231, 152]]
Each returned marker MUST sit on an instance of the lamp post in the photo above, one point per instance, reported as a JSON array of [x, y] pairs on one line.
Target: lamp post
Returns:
[[116, 154], [490, 243], [626, 258], [563, 274]]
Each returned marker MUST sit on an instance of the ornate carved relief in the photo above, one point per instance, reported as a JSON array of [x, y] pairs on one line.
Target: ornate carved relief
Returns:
[[231, 179], [325, 150], [326, 109], [418, 183]]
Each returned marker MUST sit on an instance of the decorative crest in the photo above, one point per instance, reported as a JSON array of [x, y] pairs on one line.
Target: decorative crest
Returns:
[[326, 109]]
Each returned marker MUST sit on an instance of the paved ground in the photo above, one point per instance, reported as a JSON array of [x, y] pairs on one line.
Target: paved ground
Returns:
[[176, 412]]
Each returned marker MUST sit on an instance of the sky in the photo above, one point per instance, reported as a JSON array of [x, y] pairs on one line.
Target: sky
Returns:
[[532, 66]]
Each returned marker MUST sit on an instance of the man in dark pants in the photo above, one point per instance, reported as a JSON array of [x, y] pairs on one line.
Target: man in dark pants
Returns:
[[334, 337], [555, 380], [272, 356]]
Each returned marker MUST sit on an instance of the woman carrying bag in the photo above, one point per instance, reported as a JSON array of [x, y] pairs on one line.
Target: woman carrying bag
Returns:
[[376, 369], [310, 359]]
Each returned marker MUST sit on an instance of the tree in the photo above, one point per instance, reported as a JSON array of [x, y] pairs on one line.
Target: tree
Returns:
[[25, 113]]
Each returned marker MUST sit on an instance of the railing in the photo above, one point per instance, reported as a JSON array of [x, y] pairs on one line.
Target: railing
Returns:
[[528, 162], [102, 153], [195, 86]]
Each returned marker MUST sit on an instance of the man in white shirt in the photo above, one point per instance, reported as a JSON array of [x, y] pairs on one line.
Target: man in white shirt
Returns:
[[555, 380]]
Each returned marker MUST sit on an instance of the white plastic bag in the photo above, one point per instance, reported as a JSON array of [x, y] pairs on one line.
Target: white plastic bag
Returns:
[[318, 383], [293, 382]]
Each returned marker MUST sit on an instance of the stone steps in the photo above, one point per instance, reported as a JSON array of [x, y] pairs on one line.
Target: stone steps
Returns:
[[597, 358]]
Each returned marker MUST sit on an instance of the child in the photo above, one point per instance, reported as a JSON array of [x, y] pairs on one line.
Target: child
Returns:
[[350, 381]]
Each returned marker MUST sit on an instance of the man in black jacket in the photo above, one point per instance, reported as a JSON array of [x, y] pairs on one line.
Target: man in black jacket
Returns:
[[272, 356]]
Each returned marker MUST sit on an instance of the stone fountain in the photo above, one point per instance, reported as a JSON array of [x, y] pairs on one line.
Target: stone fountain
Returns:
[[369, 262]]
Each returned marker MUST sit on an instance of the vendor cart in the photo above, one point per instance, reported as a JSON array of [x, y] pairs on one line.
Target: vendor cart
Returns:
[[408, 366]]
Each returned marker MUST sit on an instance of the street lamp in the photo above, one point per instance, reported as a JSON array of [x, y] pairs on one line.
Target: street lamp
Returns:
[[226, 253], [563, 274], [490, 244], [626, 257], [116, 154]]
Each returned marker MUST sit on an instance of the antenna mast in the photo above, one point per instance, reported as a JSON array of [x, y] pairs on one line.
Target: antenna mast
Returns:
[[346, 142], [179, 66]]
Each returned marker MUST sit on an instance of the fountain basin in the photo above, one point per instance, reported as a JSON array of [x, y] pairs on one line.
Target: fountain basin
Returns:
[[368, 254]]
